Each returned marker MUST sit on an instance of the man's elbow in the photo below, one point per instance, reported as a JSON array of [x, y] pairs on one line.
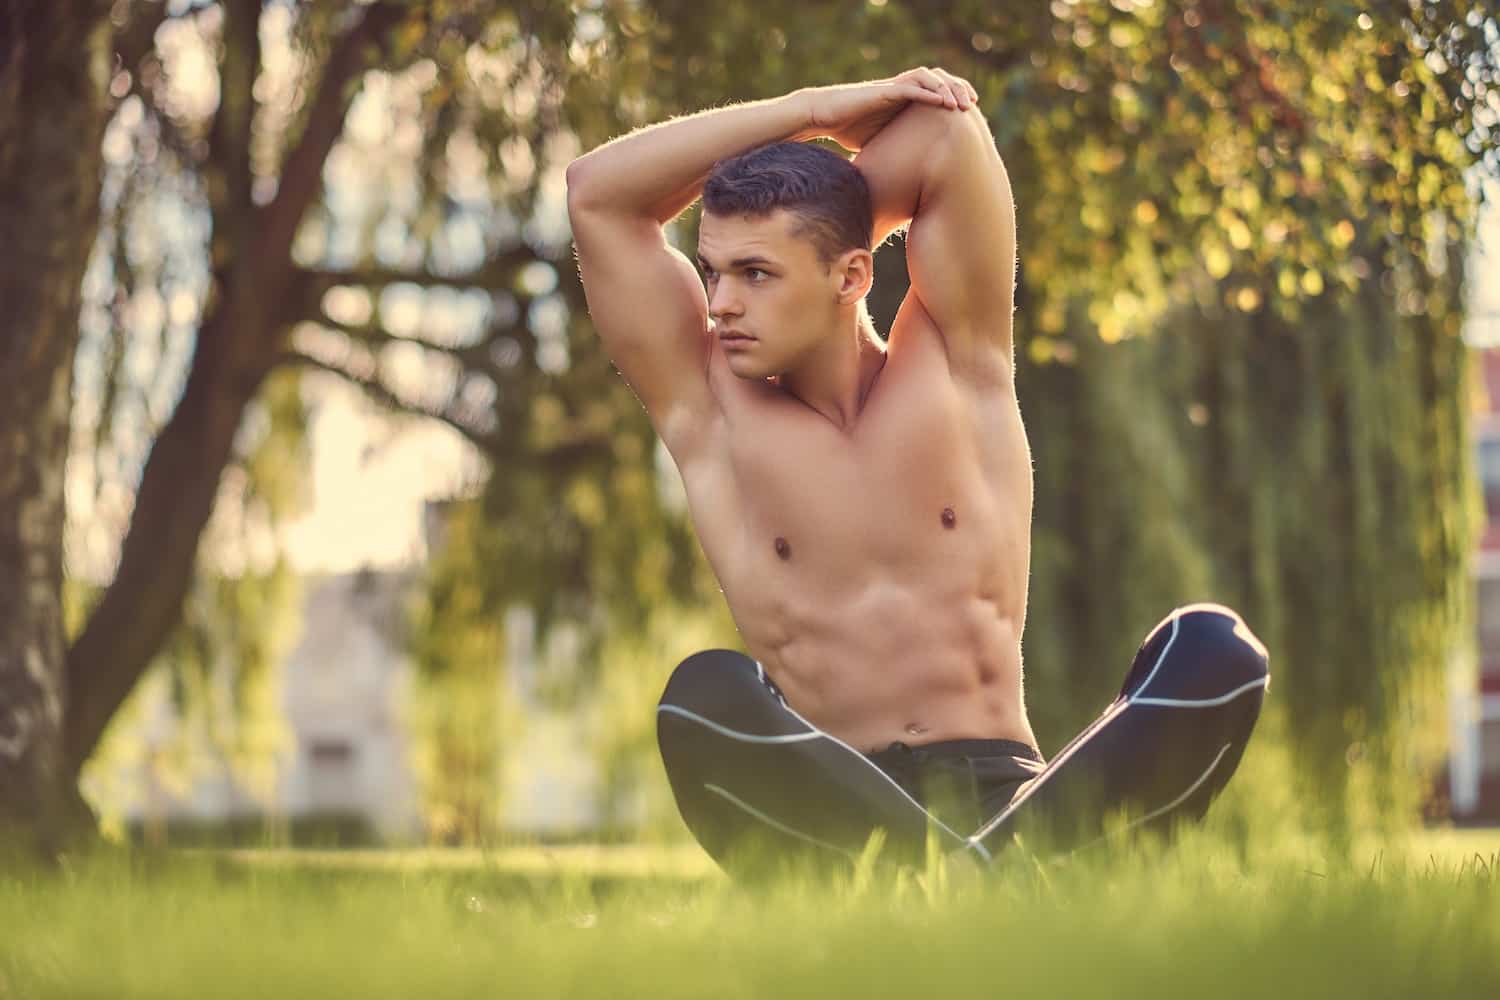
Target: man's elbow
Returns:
[[581, 186], [945, 134], [969, 128], [935, 122], [964, 140]]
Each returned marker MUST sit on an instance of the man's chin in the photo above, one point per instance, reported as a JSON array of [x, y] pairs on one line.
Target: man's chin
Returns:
[[742, 368]]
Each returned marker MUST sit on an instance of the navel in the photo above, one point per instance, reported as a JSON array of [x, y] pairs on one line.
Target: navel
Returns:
[[783, 550], [950, 519]]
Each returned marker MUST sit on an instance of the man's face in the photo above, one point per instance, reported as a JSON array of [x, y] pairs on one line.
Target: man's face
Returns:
[[768, 286]]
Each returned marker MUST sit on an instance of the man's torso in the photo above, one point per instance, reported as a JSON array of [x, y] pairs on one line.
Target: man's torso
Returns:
[[878, 573]]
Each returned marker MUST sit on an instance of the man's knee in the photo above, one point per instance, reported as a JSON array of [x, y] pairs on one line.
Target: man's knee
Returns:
[[1201, 651], [710, 682]]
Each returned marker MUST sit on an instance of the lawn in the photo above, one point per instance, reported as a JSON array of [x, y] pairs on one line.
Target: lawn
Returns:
[[1398, 918]]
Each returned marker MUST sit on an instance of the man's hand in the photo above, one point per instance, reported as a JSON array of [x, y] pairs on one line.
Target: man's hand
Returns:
[[852, 114]]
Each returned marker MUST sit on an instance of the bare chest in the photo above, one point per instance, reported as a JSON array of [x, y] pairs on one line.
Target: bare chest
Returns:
[[932, 483], [892, 494]]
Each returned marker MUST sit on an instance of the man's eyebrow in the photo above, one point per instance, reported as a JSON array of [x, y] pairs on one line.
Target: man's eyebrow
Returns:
[[753, 261]]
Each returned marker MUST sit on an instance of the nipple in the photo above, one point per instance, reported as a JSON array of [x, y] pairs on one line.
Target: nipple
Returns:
[[783, 549], [949, 518], [913, 729]]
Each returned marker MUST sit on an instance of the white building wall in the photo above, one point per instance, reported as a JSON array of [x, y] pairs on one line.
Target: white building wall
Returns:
[[345, 687]]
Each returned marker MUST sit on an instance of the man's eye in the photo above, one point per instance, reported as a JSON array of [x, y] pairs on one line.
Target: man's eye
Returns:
[[756, 274]]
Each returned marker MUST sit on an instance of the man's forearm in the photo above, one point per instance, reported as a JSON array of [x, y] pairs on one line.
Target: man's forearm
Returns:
[[659, 170]]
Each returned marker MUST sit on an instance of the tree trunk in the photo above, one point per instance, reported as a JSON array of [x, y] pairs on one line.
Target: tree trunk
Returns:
[[172, 506], [54, 71], [238, 344]]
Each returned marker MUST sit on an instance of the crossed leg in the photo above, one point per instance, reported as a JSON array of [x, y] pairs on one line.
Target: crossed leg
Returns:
[[757, 784], [1161, 751]]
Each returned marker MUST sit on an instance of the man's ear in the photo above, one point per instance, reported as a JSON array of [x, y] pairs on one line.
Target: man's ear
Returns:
[[855, 271]]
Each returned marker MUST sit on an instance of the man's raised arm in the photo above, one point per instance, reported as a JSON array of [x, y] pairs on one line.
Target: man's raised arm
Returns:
[[644, 296], [943, 173]]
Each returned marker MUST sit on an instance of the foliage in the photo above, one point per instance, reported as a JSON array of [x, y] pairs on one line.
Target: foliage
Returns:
[[1268, 469], [460, 716], [620, 722]]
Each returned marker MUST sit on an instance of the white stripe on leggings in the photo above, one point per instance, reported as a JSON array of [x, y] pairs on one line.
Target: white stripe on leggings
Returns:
[[1170, 805], [1260, 682], [1110, 714], [775, 823], [735, 734], [1162, 657], [1114, 713]]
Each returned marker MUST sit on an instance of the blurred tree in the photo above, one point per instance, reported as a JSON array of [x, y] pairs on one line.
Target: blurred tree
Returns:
[[54, 61], [460, 711], [223, 119]]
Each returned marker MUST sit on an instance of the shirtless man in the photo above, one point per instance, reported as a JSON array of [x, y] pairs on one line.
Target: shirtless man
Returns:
[[866, 507]]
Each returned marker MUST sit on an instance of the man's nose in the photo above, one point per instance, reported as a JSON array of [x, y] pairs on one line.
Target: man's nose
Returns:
[[723, 302]]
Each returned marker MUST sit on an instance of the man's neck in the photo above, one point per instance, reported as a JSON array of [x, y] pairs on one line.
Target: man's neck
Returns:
[[835, 380]]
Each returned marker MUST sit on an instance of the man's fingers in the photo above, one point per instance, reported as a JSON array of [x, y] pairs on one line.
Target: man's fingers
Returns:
[[963, 93], [957, 88], [954, 90], [941, 87], [934, 82], [917, 92]]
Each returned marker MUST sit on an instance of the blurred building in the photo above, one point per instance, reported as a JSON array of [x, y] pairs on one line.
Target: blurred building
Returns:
[[345, 770], [341, 760], [344, 691], [1474, 773]]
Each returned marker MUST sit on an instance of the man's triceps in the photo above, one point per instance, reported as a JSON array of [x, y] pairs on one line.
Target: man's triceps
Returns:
[[961, 244], [651, 315]]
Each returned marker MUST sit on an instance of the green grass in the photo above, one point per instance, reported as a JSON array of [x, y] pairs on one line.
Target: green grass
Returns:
[[1393, 918]]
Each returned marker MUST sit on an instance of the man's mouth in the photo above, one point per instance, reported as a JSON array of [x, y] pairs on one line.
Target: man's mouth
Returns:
[[735, 337]]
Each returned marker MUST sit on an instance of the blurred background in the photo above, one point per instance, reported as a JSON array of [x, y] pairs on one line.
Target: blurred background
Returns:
[[337, 526]]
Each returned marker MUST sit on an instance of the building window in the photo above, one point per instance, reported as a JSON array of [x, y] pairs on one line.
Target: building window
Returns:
[[330, 775], [1489, 475], [1488, 615]]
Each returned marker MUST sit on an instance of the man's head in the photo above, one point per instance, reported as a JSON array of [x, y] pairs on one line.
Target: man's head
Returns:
[[785, 248]]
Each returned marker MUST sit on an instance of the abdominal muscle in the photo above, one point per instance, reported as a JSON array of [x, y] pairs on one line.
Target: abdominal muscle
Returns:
[[892, 662]]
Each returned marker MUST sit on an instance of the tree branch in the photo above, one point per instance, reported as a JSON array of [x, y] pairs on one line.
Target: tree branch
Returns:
[[471, 358], [302, 172], [233, 121], [382, 394], [496, 272], [172, 137], [138, 37]]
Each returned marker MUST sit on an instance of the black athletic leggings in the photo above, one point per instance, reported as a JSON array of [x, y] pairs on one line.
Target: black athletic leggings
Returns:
[[758, 784]]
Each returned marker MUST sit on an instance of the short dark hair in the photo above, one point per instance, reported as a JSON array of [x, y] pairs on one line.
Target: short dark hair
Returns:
[[827, 193]]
